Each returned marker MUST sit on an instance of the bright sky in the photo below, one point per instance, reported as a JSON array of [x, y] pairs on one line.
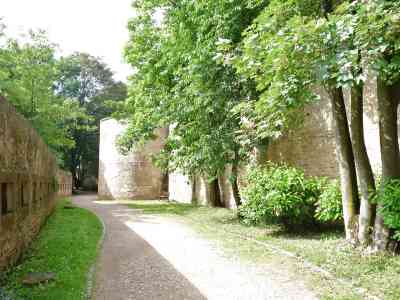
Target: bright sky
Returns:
[[98, 27]]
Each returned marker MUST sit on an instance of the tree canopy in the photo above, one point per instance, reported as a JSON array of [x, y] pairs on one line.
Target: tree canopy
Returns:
[[28, 72], [64, 98], [180, 83]]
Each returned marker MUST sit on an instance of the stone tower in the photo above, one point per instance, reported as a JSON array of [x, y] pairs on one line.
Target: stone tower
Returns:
[[131, 176]]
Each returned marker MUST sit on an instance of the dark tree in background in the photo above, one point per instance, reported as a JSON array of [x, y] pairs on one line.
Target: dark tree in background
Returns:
[[87, 80]]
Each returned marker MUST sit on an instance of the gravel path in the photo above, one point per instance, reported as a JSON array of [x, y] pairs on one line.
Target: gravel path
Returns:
[[150, 258]]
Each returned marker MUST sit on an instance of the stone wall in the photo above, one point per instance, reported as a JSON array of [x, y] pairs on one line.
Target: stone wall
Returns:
[[181, 187], [310, 147], [64, 180], [131, 176], [27, 183], [185, 189]]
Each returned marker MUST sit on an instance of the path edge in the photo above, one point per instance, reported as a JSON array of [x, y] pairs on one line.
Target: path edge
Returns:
[[92, 270], [303, 261]]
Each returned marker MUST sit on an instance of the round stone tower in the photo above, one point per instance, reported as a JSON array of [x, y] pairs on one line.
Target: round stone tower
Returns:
[[131, 176]]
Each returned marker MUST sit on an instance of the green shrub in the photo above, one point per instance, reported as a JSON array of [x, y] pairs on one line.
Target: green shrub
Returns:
[[329, 204], [389, 198], [278, 193], [282, 194]]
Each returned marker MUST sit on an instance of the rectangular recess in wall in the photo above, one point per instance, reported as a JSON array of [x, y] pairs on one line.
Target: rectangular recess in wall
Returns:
[[4, 199]]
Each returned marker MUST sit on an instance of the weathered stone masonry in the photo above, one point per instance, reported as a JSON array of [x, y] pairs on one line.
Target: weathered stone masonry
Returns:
[[28, 183], [64, 182], [131, 176], [310, 147]]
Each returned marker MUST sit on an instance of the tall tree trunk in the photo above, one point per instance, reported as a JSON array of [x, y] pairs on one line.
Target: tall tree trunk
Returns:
[[363, 166], [234, 183], [344, 151], [389, 140], [347, 170], [215, 193], [194, 180]]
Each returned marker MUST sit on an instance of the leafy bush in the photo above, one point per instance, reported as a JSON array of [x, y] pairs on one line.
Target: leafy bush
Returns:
[[389, 198], [278, 193], [282, 194], [329, 204]]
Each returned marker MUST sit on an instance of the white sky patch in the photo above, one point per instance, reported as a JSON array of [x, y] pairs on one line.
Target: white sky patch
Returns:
[[98, 27]]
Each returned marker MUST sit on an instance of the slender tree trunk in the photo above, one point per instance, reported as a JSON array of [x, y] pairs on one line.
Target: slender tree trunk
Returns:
[[234, 183], [388, 132], [344, 151], [193, 180], [347, 170], [33, 102], [363, 166]]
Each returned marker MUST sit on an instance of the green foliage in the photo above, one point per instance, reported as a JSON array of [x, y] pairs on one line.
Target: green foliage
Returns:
[[82, 77], [282, 194], [329, 204], [293, 46], [27, 74], [378, 37], [278, 193], [179, 81], [63, 98], [389, 199], [275, 54]]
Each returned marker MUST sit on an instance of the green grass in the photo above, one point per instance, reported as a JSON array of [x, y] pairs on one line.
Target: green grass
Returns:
[[377, 274], [67, 246]]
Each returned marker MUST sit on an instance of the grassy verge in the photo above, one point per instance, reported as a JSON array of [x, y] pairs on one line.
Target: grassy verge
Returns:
[[67, 246], [376, 275]]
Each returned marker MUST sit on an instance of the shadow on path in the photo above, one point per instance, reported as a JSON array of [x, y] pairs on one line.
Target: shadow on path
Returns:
[[129, 267]]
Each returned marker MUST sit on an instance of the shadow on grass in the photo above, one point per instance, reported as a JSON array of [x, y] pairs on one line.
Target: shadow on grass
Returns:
[[276, 230], [317, 232], [162, 207], [227, 217]]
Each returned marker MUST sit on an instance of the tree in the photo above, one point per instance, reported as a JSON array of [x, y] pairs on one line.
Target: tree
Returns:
[[336, 43], [294, 45], [179, 82], [87, 81], [382, 53], [28, 73]]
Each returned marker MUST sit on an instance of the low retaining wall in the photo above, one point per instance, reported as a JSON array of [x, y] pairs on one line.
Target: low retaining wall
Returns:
[[28, 183]]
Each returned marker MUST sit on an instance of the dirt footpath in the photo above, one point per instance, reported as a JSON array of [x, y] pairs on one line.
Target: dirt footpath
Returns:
[[150, 258]]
